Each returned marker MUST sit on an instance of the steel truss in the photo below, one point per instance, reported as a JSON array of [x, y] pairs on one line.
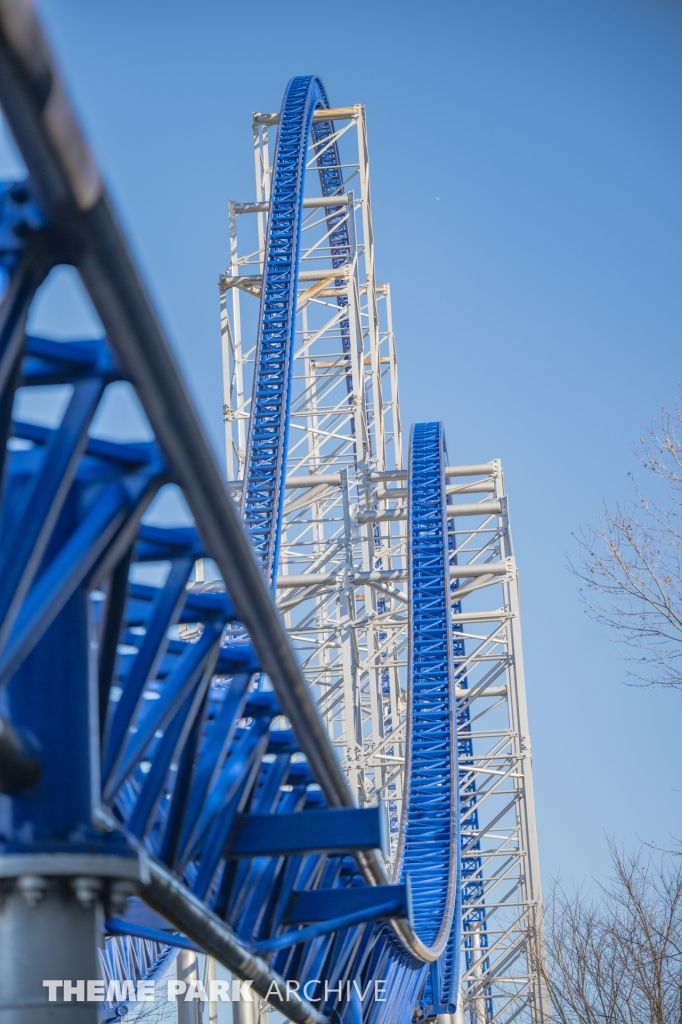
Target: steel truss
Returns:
[[340, 565], [500, 868], [157, 737], [342, 578]]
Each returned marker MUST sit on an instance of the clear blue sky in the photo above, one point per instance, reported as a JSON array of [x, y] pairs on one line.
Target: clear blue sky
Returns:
[[527, 185]]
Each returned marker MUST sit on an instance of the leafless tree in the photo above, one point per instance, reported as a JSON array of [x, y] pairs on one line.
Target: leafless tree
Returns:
[[631, 564], [616, 957]]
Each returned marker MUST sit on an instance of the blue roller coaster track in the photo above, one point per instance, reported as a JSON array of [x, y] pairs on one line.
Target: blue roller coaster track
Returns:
[[263, 497], [138, 756]]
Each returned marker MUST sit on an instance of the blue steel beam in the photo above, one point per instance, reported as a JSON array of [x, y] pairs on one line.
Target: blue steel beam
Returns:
[[89, 531], [336, 924], [323, 904], [263, 494], [341, 830], [263, 490], [435, 752], [116, 926], [158, 719], [429, 841]]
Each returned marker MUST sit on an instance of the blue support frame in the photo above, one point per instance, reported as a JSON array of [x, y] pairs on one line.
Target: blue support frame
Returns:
[[263, 498], [433, 749], [190, 767], [123, 737], [430, 835], [263, 493]]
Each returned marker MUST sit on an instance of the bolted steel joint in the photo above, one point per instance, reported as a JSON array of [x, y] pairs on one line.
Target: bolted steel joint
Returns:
[[86, 889], [32, 888]]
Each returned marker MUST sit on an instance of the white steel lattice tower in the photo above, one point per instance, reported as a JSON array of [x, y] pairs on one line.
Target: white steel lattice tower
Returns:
[[342, 579]]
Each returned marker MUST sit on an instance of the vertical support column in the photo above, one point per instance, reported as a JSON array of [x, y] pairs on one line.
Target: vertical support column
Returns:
[[56, 870], [49, 931], [518, 719], [245, 1012], [351, 706], [518, 715], [187, 971], [233, 363], [210, 979], [478, 955], [393, 376]]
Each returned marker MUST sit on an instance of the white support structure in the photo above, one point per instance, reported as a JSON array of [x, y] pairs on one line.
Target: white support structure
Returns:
[[501, 875], [343, 565]]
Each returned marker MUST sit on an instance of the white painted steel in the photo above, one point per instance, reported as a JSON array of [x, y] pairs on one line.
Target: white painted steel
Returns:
[[344, 549]]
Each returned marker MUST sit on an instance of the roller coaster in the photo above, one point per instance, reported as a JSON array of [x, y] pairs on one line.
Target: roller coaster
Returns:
[[290, 733]]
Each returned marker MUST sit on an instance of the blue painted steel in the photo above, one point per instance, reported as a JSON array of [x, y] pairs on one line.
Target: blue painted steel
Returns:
[[341, 830], [19, 214], [336, 924], [323, 904], [269, 428], [115, 926], [263, 495], [429, 842], [130, 957], [189, 750], [167, 609], [430, 828], [430, 820]]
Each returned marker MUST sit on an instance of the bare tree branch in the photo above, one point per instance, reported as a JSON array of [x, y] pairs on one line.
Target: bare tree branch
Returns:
[[617, 958], [631, 564]]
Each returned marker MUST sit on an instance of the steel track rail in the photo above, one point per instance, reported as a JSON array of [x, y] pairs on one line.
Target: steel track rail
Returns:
[[429, 841], [263, 495], [264, 480], [429, 616], [263, 488], [72, 193], [84, 231], [429, 837], [432, 850]]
